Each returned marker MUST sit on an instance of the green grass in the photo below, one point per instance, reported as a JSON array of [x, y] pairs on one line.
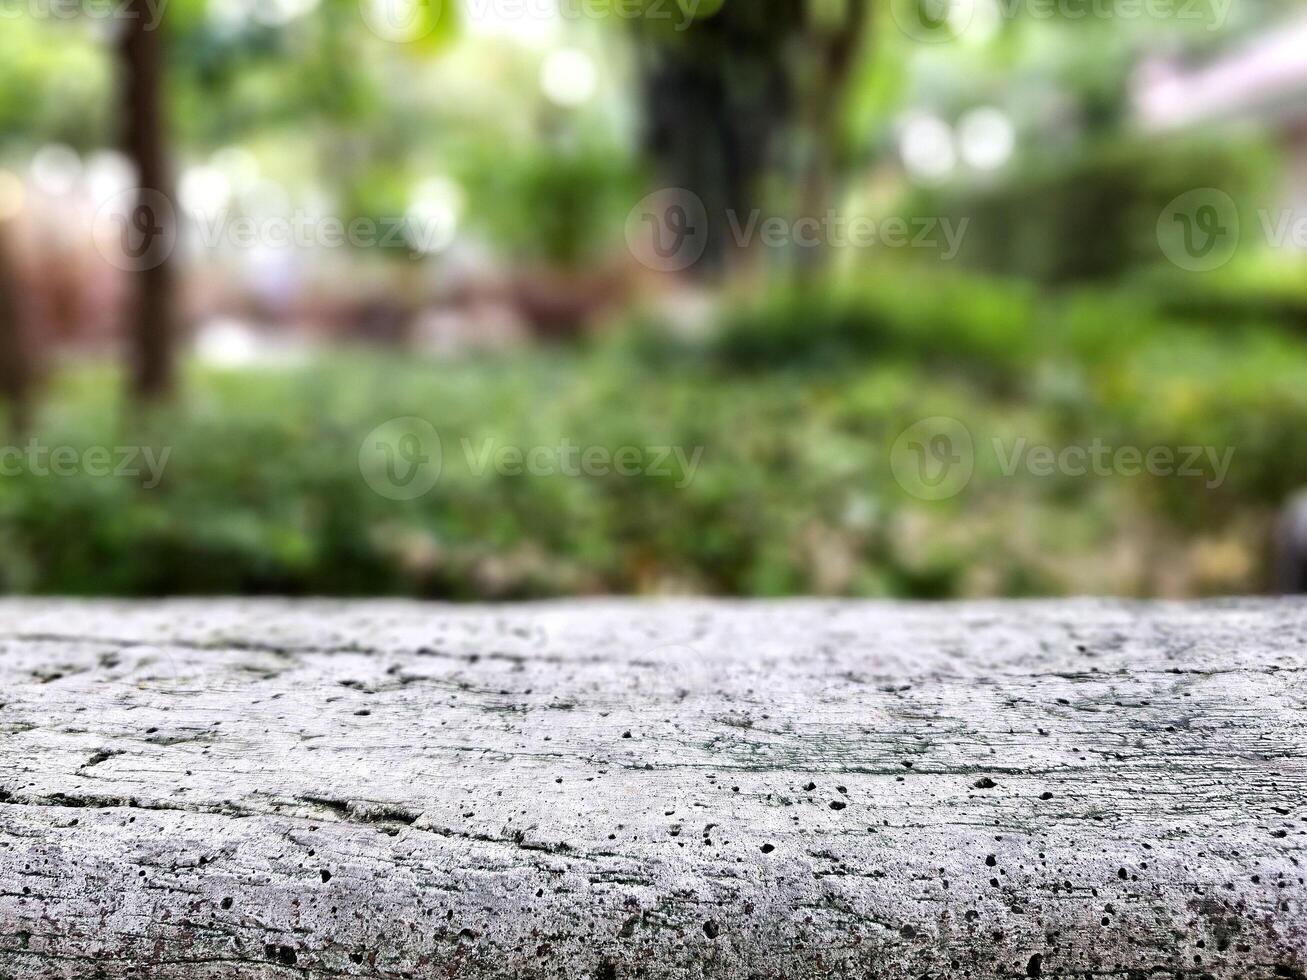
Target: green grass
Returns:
[[795, 402]]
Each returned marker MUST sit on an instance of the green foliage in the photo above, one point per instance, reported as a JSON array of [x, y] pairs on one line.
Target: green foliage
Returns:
[[234, 80], [562, 206], [794, 491], [925, 320], [1092, 216], [55, 84]]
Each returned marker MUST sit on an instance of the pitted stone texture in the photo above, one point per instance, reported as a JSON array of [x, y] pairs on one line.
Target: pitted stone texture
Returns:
[[612, 790]]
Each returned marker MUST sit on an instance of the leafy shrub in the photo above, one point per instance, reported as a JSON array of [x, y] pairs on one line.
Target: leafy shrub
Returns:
[[793, 492]]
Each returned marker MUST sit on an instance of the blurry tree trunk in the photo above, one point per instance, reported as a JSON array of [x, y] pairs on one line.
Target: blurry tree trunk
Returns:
[[1290, 548], [153, 316], [15, 361], [716, 98], [752, 92], [835, 58]]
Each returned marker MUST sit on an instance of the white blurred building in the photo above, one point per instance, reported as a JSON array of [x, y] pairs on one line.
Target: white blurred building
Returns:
[[1261, 82]]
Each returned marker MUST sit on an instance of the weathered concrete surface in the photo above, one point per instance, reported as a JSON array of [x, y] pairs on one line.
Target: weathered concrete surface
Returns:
[[619, 790]]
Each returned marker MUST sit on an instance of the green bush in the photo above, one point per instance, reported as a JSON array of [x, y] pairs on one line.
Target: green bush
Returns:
[[796, 403], [985, 327]]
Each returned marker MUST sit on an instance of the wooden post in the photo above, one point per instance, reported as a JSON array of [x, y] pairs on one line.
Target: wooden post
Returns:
[[153, 319], [15, 356]]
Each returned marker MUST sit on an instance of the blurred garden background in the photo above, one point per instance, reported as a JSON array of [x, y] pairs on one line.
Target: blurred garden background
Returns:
[[1083, 222]]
